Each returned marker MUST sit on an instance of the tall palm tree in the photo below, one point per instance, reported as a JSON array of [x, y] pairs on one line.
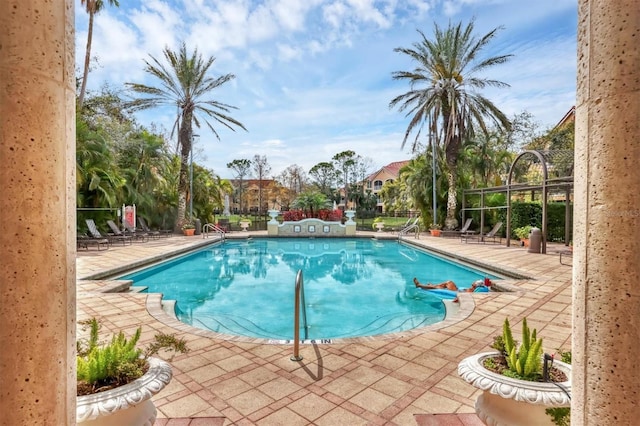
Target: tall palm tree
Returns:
[[92, 7], [444, 97], [183, 82]]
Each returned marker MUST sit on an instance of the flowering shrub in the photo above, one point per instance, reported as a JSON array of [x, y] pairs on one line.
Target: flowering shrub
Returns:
[[293, 215], [330, 215], [322, 214]]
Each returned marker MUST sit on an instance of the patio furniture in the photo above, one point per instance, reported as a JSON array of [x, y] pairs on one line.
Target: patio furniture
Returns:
[[84, 241], [566, 253], [129, 233], [145, 228], [493, 235], [459, 232], [95, 233]]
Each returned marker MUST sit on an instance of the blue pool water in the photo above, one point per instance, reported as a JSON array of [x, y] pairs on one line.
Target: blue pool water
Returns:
[[356, 287]]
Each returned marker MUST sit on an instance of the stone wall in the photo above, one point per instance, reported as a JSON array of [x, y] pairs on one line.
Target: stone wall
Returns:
[[311, 228]]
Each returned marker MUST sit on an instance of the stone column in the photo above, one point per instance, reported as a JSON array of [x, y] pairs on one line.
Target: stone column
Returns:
[[606, 289], [37, 212]]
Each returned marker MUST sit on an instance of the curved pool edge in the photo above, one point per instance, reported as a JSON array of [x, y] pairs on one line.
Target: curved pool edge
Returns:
[[454, 313], [498, 270], [148, 261]]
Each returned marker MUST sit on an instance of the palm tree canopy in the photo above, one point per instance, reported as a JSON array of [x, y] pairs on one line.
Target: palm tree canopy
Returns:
[[444, 84], [94, 6], [185, 83]]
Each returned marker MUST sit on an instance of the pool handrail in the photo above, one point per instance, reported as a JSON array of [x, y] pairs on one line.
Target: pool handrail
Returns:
[[212, 227], [411, 227], [298, 301]]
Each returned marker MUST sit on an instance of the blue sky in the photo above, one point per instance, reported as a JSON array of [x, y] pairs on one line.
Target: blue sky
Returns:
[[313, 77]]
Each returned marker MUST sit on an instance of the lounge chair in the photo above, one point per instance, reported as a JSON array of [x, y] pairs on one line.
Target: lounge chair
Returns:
[[131, 233], [84, 241], [93, 231], [157, 233], [491, 235], [459, 232]]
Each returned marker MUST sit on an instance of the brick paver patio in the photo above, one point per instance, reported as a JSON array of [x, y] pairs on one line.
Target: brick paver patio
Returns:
[[400, 379]]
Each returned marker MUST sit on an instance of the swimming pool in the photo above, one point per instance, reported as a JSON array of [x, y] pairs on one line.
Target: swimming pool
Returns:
[[353, 287]]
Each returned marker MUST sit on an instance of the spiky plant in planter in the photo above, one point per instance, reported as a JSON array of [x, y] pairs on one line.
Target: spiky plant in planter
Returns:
[[515, 390], [525, 362]]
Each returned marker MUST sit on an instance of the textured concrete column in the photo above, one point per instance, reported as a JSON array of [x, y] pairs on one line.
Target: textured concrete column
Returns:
[[37, 212], [606, 288]]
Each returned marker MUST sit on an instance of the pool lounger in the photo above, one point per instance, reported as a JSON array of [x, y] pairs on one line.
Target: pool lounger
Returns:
[[450, 294]]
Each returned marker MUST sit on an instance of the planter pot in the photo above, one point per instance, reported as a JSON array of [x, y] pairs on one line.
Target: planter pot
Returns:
[[126, 405], [189, 232], [380, 226], [507, 401], [435, 232], [350, 215], [524, 242], [244, 225]]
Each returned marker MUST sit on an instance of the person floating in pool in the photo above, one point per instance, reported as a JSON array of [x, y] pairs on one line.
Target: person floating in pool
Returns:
[[450, 285]]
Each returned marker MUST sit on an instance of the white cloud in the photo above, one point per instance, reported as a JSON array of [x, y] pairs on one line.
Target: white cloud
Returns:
[[314, 77]]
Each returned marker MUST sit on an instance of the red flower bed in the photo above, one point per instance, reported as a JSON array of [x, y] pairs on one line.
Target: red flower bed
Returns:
[[323, 214]]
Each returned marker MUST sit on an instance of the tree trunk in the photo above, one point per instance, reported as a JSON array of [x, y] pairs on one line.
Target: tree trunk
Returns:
[[452, 202], [184, 136], [452, 178], [87, 60]]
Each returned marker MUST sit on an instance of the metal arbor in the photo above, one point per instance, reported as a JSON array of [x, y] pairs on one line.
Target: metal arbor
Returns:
[[547, 174]]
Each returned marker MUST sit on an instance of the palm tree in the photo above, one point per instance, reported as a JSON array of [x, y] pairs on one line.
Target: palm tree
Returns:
[[184, 83], [443, 94], [487, 159], [92, 7], [311, 201]]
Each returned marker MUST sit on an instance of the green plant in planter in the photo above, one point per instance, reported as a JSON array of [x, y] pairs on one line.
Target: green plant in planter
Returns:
[[525, 361], [188, 225], [376, 221], [435, 226], [523, 232], [105, 366]]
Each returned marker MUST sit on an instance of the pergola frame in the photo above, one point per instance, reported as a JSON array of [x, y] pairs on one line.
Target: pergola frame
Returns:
[[547, 184]]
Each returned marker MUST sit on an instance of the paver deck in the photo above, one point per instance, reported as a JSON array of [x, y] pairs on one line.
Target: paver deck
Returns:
[[398, 379]]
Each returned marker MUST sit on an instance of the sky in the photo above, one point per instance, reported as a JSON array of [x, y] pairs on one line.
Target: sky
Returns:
[[313, 77]]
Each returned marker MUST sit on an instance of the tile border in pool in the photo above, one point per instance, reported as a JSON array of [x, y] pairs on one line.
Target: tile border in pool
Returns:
[[454, 314]]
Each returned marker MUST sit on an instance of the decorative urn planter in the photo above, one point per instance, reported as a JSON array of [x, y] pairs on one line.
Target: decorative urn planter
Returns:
[[507, 401], [380, 226], [273, 214], [245, 225], [350, 214], [129, 404]]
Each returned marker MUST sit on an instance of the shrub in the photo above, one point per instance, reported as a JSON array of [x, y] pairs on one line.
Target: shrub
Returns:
[[376, 221], [523, 232]]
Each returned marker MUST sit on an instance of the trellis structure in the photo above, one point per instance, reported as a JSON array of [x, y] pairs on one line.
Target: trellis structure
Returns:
[[544, 174]]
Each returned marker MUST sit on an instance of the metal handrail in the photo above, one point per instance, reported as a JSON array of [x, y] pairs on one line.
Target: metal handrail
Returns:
[[212, 227], [415, 227], [299, 301]]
